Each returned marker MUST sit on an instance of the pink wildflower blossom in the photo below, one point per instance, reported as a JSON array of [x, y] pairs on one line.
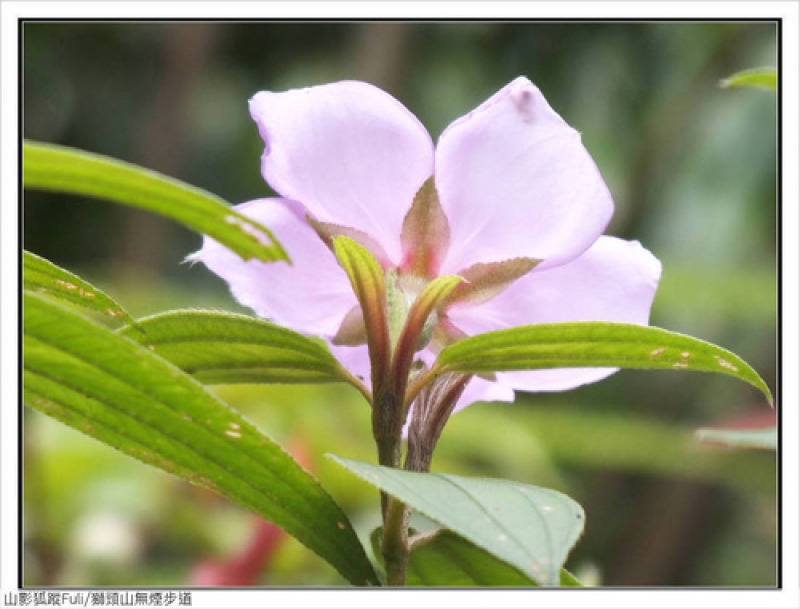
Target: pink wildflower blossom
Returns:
[[521, 206]]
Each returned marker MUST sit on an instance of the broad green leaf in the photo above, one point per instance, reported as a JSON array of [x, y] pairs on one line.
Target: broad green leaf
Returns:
[[68, 170], [448, 559], [759, 78], [592, 344], [124, 395], [741, 438], [43, 277], [530, 528], [218, 347]]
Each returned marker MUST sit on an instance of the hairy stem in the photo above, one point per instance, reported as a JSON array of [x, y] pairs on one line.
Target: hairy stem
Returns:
[[388, 436], [394, 545]]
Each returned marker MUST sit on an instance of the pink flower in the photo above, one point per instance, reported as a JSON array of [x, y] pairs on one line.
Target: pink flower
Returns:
[[517, 190]]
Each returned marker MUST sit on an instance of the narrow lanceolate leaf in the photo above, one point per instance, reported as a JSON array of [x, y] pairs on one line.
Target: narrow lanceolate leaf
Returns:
[[530, 528], [366, 277], [759, 78], [67, 170], [43, 277], [766, 439], [218, 347], [447, 559], [124, 395], [592, 344]]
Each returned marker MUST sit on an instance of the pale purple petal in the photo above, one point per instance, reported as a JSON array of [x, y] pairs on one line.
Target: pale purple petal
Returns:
[[356, 360], [614, 280], [312, 295], [351, 153], [515, 181], [481, 390]]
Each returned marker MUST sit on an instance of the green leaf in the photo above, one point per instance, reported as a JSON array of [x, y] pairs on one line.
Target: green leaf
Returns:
[[758, 78], [766, 439], [124, 395], [568, 580], [447, 559], [562, 433], [527, 527], [63, 169], [45, 278], [218, 347], [592, 344]]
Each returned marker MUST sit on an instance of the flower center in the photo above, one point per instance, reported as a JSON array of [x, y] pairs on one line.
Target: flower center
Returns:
[[402, 291]]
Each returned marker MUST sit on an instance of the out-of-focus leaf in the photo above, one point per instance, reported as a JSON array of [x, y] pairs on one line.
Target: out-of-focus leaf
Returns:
[[218, 347], [766, 439], [447, 559], [759, 78], [124, 395], [742, 296], [43, 277], [592, 344], [68, 170], [601, 441], [530, 528]]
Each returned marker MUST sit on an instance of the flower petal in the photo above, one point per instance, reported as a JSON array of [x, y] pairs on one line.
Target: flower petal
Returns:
[[515, 181], [614, 280], [481, 390], [312, 295], [352, 154], [356, 360]]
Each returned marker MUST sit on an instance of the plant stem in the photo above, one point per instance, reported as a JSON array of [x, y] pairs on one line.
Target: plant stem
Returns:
[[394, 545], [388, 436]]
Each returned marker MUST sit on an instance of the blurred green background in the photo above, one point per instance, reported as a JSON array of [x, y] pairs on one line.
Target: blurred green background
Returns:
[[693, 171]]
